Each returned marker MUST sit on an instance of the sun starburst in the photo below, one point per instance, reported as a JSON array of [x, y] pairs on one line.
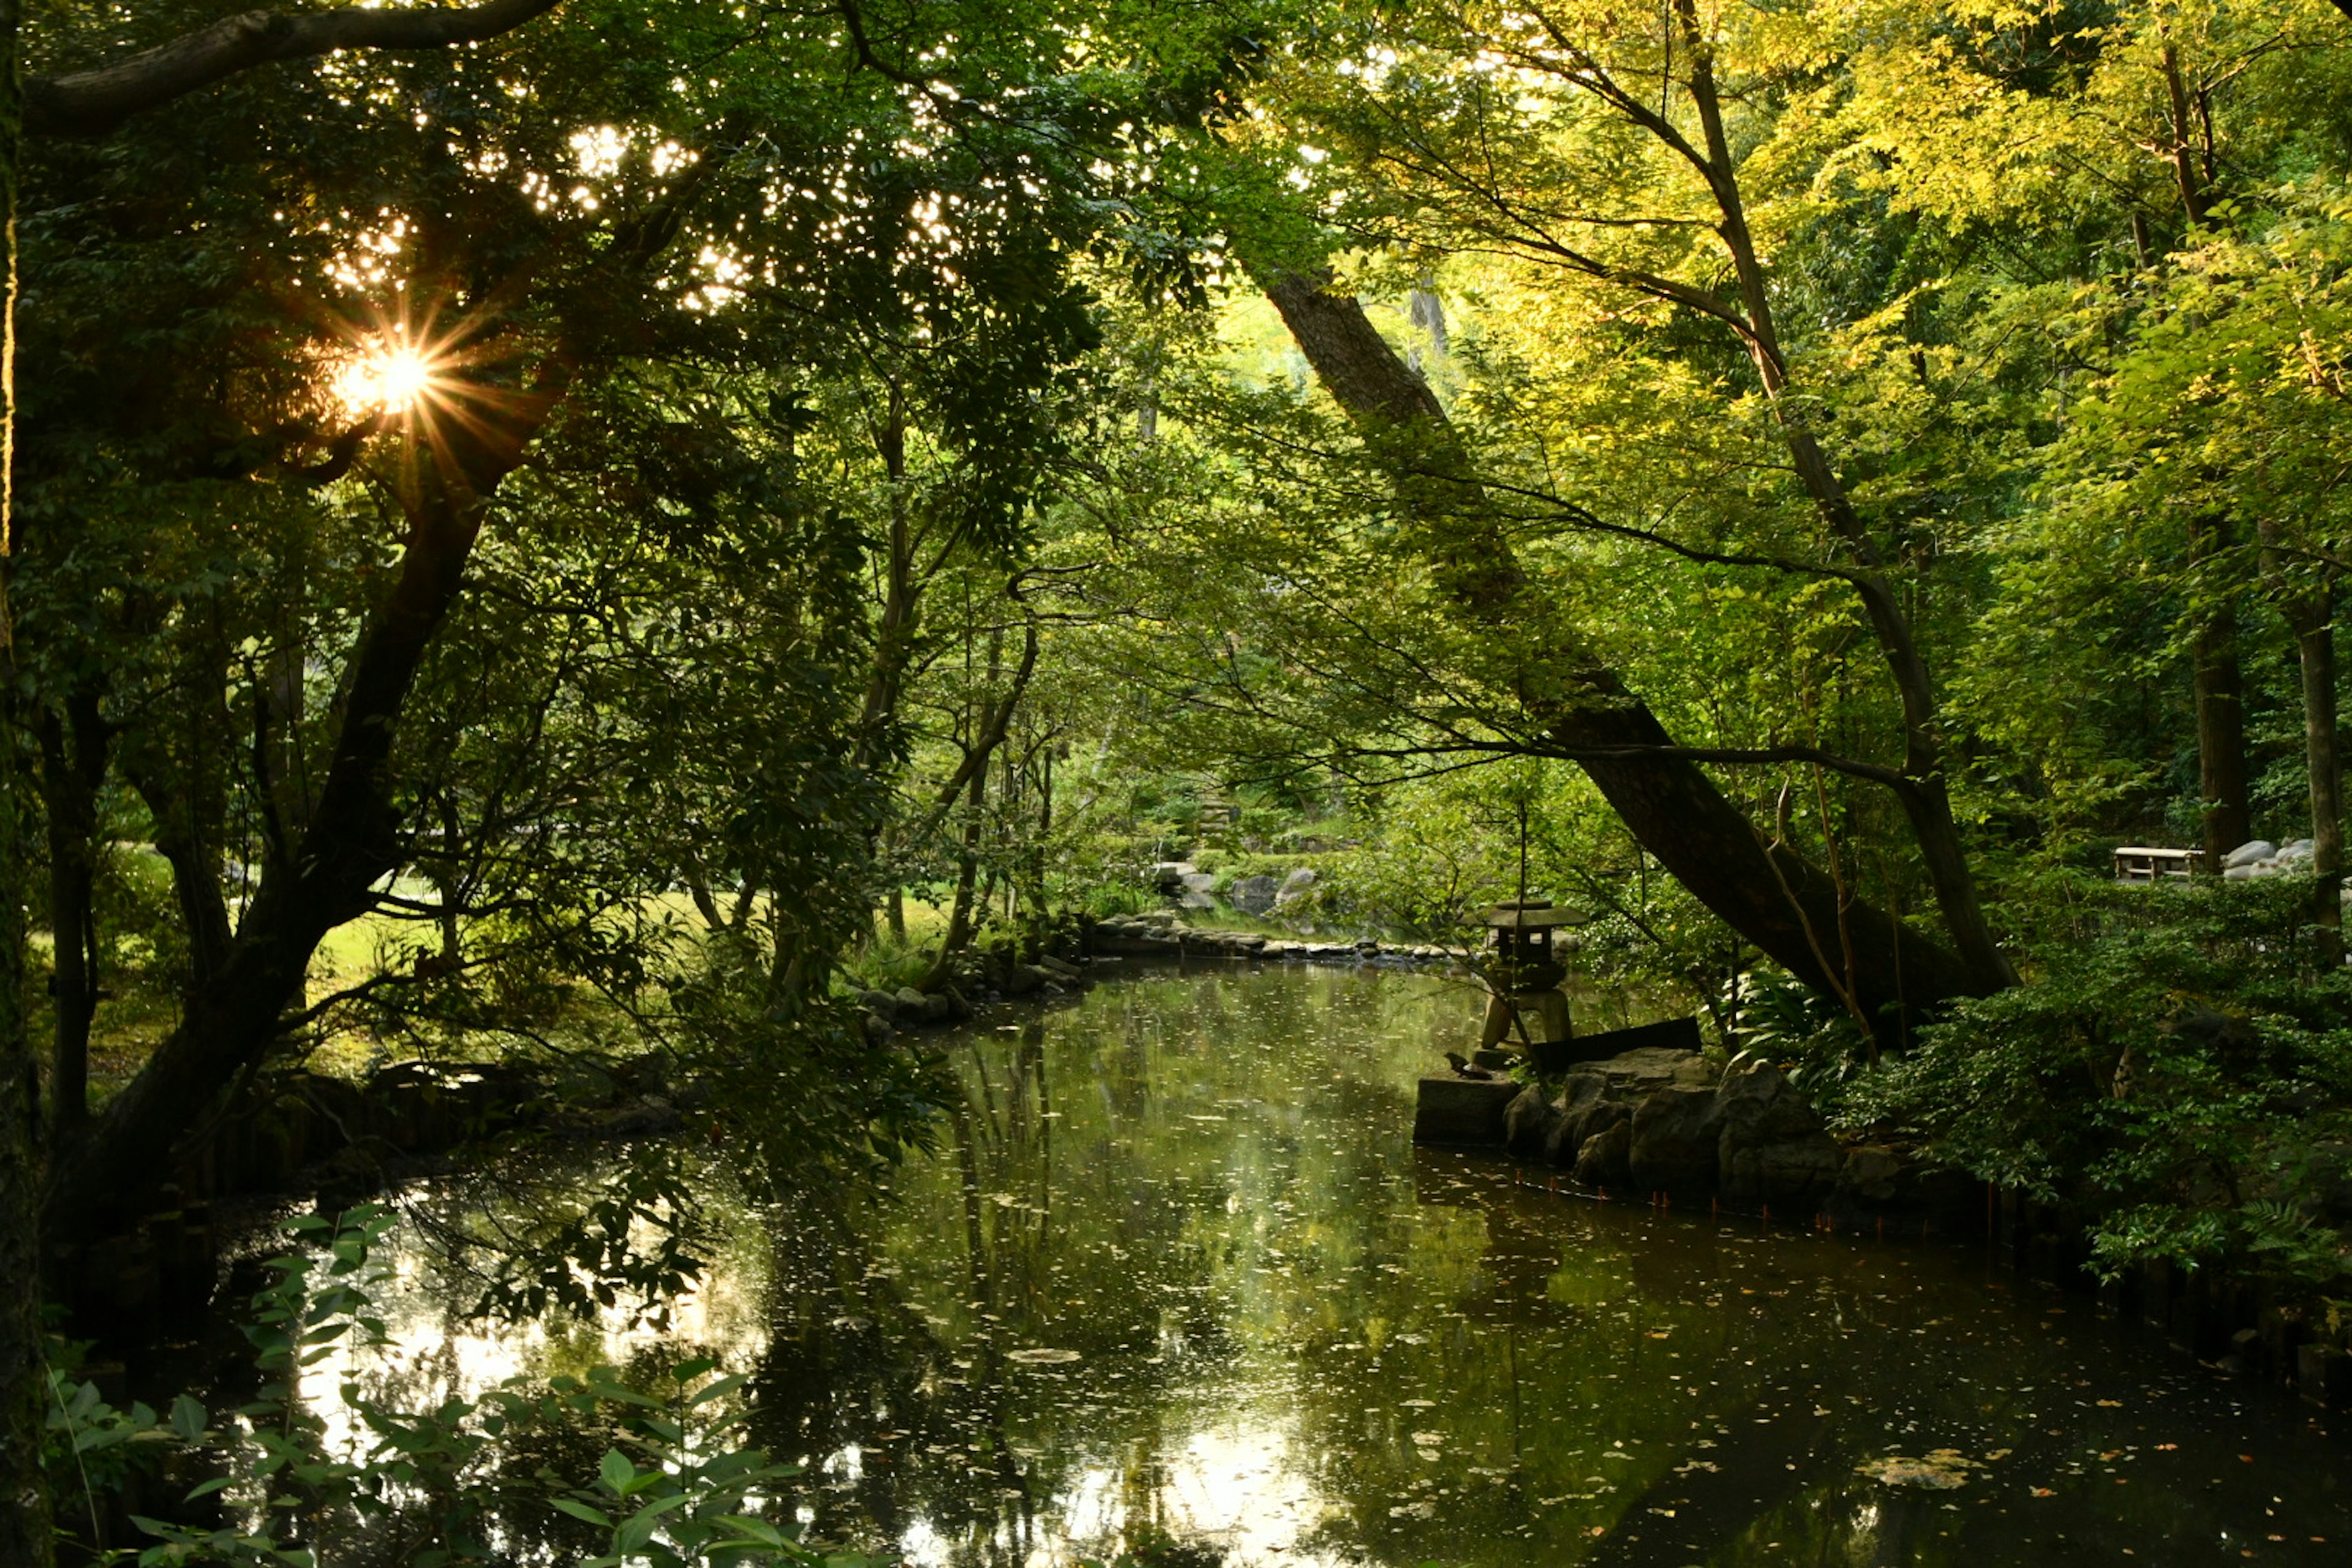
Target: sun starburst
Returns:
[[390, 375]]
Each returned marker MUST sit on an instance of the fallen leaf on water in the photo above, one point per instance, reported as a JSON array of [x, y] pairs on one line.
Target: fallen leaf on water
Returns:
[[1939, 1471], [2111, 1405], [2044, 1492], [1041, 1357]]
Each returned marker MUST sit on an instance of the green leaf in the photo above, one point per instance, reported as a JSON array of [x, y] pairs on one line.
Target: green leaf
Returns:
[[581, 1512]]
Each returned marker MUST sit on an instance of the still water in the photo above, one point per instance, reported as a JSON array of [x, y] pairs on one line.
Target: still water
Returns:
[[1177, 1273]]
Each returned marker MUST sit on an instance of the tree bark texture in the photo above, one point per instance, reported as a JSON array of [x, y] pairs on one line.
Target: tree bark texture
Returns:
[[73, 766], [24, 1537], [2315, 641], [93, 102], [2219, 686], [1764, 890]]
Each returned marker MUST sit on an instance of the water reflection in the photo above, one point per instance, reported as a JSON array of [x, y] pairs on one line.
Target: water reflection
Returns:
[[1176, 1271]]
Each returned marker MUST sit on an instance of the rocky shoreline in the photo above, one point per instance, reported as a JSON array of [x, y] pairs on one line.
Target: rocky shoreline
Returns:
[[1672, 1126]]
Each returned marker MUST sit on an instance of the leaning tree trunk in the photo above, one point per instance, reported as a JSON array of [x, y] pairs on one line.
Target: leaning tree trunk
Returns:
[[351, 842], [1764, 890]]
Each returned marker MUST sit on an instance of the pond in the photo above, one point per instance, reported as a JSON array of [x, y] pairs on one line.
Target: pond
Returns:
[[1177, 1272]]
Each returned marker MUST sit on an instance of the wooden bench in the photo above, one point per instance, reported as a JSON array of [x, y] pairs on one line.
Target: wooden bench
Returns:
[[2141, 863]]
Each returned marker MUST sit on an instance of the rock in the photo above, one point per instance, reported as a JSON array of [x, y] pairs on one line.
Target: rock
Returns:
[[1451, 1109], [1169, 875], [877, 1002], [1529, 1121], [650, 1117], [1294, 887], [1255, 895], [1197, 882], [876, 1025], [1639, 1072], [1673, 1147], [1579, 1097], [1019, 979], [2241, 873], [2246, 854], [1872, 1171], [2323, 1374], [1771, 1146], [1192, 900], [1602, 1162], [1792, 1171], [1053, 965], [1038, 977], [908, 1004], [2295, 853]]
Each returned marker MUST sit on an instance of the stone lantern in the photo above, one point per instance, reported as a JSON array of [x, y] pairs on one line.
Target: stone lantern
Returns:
[[1527, 998]]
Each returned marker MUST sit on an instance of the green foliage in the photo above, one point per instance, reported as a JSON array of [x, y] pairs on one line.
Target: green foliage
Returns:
[[2179, 1071], [433, 1488]]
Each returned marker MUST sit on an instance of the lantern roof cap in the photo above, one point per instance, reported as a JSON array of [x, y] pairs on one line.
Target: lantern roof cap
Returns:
[[1533, 914]]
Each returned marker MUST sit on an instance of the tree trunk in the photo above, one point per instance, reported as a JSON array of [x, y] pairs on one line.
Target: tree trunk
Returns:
[[960, 921], [1928, 803], [2310, 613], [24, 1537], [2220, 688], [2315, 642], [73, 766], [350, 841], [1768, 894]]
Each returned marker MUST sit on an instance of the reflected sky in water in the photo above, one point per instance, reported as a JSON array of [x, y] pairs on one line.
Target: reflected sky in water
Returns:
[[1176, 1271]]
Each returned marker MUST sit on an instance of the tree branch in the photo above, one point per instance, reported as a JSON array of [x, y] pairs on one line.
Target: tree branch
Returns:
[[93, 102]]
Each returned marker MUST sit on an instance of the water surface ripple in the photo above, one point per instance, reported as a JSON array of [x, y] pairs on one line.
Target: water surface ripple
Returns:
[[1177, 1272]]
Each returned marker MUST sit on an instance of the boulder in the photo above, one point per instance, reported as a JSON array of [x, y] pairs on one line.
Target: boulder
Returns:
[[1602, 1162], [1462, 1110], [2246, 854], [1253, 895], [1197, 882], [1294, 887], [910, 1005], [1584, 1116], [1794, 1171], [1579, 1093], [1529, 1121], [1873, 1172], [1673, 1148], [1644, 1071], [1771, 1145]]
